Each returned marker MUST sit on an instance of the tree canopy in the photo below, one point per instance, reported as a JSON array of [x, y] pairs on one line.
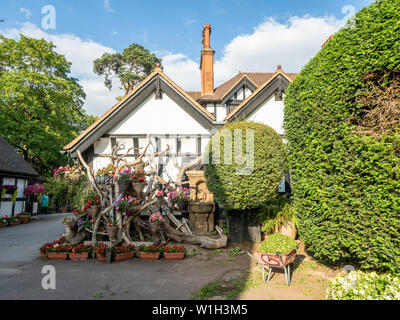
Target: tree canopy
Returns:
[[40, 103], [131, 66]]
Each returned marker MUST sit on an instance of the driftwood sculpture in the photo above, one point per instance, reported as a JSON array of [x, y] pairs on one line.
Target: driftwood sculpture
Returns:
[[144, 165]]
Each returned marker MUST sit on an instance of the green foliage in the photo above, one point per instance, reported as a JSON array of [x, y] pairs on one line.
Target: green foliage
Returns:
[[277, 243], [40, 104], [237, 251], [233, 186], [278, 212], [131, 66], [63, 193], [359, 285], [346, 186]]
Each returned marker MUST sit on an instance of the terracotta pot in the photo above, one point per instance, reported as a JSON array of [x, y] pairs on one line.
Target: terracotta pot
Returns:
[[3, 225], [93, 211], [43, 255], [25, 219], [174, 255], [124, 256], [101, 258], [138, 187], [14, 223], [149, 255], [57, 255], [123, 185], [79, 256]]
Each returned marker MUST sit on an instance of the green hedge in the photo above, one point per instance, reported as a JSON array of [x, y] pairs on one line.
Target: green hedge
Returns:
[[246, 191], [346, 185]]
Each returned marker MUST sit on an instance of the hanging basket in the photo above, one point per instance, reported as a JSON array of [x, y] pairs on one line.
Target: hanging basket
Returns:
[[103, 179], [138, 187], [180, 204], [155, 227], [159, 203], [93, 211], [75, 177], [123, 185], [139, 168]]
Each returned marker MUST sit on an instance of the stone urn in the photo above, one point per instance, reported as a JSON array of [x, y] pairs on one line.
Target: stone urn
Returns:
[[201, 217]]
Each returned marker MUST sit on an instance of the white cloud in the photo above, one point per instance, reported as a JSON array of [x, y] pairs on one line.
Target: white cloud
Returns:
[[81, 53], [189, 21], [107, 6], [27, 12], [290, 44]]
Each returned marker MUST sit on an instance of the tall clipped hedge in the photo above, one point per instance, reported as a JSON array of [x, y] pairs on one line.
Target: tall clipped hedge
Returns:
[[255, 188], [346, 184]]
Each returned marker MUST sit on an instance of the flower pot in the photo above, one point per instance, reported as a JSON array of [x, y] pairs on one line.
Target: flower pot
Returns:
[[93, 211], [14, 223], [3, 225], [103, 179], [180, 204], [43, 255], [25, 219], [124, 256], [10, 191], [79, 256], [138, 187], [154, 227], [159, 203], [123, 185], [57, 255], [101, 258], [174, 255], [112, 234], [149, 255], [75, 177]]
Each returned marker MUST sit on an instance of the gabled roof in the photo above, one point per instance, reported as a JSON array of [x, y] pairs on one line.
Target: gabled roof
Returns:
[[131, 95], [256, 78], [12, 163], [288, 76]]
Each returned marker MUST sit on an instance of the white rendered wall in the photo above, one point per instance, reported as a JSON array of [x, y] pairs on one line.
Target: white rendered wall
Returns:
[[161, 116], [270, 112]]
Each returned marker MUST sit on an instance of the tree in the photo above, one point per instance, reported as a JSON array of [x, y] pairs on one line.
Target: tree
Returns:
[[255, 188], [40, 104], [343, 148], [131, 66]]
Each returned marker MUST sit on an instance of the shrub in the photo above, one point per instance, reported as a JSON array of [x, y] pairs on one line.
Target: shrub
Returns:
[[240, 186], [359, 285], [346, 182], [277, 243]]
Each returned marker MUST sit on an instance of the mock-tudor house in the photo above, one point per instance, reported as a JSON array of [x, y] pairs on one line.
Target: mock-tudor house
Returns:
[[14, 170], [158, 109]]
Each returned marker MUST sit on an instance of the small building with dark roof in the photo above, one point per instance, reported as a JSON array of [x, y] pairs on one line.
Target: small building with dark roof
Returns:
[[14, 170]]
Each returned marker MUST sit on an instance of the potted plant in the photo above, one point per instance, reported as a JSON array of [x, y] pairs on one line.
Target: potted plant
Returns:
[[173, 252], [44, 249], [25, 217], [150, 252], [58, 252], [160, 199], [100, 249], [126, 204], [180, 197], [138, 183], [13, 221], [9, 188], [105, 175], [4, 222], [155, 219], [80, 252], [92, 205], [124, 180], [112, 229], [124, 252]]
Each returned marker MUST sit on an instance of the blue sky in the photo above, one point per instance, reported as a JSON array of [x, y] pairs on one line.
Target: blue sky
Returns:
[[244, 34]]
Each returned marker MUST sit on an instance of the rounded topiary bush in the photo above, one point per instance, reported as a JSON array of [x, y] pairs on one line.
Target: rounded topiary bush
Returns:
[[242, 184], [342, 126]]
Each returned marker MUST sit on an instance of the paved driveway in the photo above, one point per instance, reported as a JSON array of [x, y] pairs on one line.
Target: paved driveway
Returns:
[[20, 270]]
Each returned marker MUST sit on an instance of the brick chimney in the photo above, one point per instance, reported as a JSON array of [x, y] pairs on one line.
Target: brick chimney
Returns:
[[207, 64]]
